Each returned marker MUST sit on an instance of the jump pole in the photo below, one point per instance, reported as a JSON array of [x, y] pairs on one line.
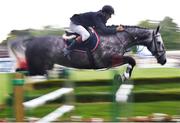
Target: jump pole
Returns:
[[19, 106], [115, 105], [121, 94], [18, 83]]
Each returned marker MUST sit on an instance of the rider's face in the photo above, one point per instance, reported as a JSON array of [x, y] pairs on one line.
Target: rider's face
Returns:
[[108, 16]]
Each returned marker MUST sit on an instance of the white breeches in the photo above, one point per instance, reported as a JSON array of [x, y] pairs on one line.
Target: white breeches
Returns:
[[80, 30]]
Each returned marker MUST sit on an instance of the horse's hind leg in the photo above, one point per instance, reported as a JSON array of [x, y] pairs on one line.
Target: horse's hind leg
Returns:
[[39, 66], [35, 66]]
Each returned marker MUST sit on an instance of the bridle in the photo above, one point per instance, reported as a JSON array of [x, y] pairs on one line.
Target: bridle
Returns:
[[155, 35], [156, 51]]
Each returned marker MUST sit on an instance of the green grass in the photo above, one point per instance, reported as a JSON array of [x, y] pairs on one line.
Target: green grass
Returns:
[[169, 107], [158, 88], [5, 86], [104, 110], [89, 75], [156, 72]]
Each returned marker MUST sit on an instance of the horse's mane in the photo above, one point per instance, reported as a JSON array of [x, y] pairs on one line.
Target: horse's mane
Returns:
[[130, 26]]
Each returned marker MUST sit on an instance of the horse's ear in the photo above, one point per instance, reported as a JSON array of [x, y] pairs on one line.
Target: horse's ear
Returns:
[[157, 29]]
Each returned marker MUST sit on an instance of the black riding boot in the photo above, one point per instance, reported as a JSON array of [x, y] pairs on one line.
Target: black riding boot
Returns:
[[69, 49]]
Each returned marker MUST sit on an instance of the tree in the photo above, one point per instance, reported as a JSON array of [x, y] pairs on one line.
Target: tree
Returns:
[[169, 31]]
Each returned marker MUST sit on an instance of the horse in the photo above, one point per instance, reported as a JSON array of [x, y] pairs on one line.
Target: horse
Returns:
[[42, 52]]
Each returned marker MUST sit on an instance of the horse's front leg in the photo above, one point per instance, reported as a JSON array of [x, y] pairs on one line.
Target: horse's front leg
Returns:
[[131, 63], [121, 60]]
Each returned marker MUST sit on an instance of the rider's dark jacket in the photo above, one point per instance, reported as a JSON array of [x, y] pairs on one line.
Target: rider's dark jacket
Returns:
[[93, 19]]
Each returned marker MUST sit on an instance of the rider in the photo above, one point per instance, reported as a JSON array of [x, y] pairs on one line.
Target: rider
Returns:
[[80, 22]]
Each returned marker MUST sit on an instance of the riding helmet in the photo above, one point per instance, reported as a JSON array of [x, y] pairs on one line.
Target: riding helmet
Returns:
[[108, 9]]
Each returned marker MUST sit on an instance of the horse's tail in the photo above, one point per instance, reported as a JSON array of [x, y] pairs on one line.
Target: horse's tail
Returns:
[[17, 48]]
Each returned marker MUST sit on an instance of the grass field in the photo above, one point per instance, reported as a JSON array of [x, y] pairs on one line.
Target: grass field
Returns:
[[104, 109], [89, 75]]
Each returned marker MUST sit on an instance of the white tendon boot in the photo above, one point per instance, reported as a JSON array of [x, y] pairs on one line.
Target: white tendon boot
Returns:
[[126, 74]]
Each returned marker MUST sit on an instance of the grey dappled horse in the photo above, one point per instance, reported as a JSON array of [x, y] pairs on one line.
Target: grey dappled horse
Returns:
[[43, 52]]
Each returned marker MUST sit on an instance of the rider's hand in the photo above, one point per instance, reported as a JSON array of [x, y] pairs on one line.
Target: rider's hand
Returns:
[[119, 28], [79, 39]]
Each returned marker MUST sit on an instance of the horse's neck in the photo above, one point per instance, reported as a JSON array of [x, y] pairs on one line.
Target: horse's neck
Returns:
[[139, 36], [132, 36]]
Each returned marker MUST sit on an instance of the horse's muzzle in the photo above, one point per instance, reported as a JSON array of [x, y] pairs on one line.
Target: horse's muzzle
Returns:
[[162, 60]]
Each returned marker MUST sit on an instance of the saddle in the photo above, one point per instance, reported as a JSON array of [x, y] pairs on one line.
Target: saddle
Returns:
[[91, 43]]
